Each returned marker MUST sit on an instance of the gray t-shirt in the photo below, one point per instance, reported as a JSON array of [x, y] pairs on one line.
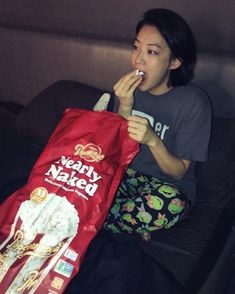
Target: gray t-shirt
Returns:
[[182, 119]]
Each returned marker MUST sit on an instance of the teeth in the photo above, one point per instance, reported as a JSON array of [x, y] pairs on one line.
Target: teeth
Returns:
[[139, 73]]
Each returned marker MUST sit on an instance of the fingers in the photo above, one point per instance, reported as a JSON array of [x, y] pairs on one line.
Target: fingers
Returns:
[[133, 119], [127, 84], [137, 128], [140, 130], [128, 79]]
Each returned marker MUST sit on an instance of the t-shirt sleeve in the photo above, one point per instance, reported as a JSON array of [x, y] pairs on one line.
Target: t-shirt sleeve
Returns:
[[193, 130]]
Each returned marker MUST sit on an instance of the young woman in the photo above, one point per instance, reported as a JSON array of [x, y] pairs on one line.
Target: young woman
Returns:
[[170, 118]]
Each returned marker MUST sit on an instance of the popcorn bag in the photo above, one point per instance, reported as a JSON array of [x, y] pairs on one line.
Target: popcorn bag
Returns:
[[47, 225]]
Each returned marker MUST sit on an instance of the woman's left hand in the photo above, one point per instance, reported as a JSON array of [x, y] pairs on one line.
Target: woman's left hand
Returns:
[[140, 130]]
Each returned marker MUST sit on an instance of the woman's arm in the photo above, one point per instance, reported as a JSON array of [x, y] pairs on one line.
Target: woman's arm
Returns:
[[140, 130]]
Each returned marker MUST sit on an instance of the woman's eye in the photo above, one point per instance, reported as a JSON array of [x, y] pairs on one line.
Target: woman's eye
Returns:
[[152, 52], [135, 47]]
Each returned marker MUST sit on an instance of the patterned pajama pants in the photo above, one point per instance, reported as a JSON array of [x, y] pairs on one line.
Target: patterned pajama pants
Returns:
[[143, 204]]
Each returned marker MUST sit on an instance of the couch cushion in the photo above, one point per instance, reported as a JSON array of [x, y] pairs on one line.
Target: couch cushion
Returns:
[[17, 155], [40, 116], [216, 176]]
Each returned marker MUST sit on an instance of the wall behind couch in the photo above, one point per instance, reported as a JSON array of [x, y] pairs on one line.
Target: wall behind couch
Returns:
[[211, 20]]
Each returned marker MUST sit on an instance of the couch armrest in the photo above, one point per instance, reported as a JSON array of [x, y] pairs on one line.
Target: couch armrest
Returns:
[[9, 112]]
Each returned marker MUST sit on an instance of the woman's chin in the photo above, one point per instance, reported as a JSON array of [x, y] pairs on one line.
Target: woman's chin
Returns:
[[143, 87]]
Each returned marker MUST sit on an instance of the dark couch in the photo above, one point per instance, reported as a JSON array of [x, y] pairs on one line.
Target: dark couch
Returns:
[[190, 250], [25, 130]]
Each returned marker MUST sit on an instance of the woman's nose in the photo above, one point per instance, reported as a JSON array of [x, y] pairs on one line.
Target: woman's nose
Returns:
[[140, 58]]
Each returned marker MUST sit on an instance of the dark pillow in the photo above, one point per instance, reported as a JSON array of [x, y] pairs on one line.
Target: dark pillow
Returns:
[[39, 118], [216, 176]]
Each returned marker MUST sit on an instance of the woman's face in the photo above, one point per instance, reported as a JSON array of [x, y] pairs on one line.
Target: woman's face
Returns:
[[152, 55]]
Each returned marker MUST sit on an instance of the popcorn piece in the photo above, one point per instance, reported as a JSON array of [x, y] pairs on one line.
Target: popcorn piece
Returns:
[[139, 73]]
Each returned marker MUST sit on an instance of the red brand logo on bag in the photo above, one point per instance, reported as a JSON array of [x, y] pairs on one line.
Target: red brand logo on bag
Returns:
[[89, 152]]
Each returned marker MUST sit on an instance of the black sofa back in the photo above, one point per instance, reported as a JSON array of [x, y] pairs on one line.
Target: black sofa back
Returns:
[[31, 61]]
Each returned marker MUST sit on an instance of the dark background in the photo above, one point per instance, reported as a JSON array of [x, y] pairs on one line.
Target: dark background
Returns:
[[212, 21]]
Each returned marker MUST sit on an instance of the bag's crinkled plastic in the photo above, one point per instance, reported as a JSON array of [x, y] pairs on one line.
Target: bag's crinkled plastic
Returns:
[[47, 225]]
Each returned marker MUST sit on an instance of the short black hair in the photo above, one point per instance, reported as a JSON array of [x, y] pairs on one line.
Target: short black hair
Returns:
[[180, 39]]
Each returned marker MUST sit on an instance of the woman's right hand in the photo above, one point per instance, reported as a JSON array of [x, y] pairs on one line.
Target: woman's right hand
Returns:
[[124, 90]]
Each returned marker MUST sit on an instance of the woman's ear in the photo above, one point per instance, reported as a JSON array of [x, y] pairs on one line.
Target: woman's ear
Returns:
[[175, 63]]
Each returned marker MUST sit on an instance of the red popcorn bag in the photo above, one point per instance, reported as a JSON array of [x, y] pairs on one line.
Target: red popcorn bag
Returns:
[[47, 225]]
